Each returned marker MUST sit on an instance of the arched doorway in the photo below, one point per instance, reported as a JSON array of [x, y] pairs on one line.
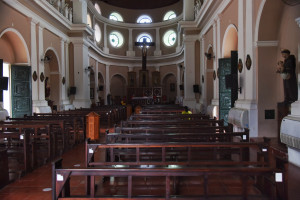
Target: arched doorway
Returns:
[[101, 93], [227, 71], [118, 89], [17, 99], [209, 76], [230, 41], [169, 89], [52, 79], [271, 36]]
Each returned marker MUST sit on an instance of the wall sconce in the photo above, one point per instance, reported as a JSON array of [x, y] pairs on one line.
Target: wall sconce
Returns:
[[88, 69], [46, 59], [209, 56]]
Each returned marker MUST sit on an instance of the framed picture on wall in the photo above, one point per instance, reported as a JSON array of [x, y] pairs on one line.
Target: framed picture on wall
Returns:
[[91, 93]]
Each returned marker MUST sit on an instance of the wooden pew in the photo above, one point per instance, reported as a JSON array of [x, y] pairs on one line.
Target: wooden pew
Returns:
[[4, 175], [18, 150], [172, 123], [170, 175], [62, 186], [177, 137], [186, 129], [58, 133], [168, 117], [183, 153]]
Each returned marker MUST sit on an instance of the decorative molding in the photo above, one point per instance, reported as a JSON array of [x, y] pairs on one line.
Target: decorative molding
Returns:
[[248, 62], [240, 65], [273, 43], [27, 12], [117, 24], [42, 77], [34, 76]]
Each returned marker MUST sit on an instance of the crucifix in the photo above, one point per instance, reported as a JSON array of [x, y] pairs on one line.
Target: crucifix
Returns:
[[144, 46]]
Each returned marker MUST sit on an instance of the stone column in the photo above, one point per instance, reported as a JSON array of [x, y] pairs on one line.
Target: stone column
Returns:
[[65, 102], [96, 96], [35, 92], [157, 51], [81, 77], [247, 100], [107, 83], [189, 74], [215, 100], [105, 48], [130, 51], [203, 72], [179, 66], [39, 105], [178, 42]]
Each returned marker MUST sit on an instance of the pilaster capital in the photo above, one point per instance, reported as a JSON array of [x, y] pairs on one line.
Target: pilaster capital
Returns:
[[33, 21], [190, 38]]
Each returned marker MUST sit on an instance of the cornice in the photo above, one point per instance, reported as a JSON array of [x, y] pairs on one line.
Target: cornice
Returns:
[[135, 61], [15, 4], [132, 25]]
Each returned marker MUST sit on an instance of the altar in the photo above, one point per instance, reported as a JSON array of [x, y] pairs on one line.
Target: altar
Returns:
[[144, 96]]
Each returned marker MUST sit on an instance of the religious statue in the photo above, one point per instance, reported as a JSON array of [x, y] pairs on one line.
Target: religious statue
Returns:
[[287, 70], [144, 46]]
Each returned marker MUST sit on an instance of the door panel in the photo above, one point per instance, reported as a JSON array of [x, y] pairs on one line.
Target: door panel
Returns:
[[21, 91], [224, 94], [227, 96]]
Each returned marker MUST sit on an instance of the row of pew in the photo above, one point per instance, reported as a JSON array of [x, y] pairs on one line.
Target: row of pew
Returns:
[[155, 155], [32, 141]]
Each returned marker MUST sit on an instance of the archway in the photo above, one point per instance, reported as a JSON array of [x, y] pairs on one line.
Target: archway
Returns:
[[52, 79], [14, 51], [169, 89], [101, 93], [230, 41], [271, 36], [209, 77], [118, 89]]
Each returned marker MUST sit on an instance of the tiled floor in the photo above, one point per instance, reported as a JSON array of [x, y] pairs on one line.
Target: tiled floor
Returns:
[[31, 186]]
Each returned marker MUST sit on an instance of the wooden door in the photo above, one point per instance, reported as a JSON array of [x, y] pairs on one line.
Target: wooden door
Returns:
[[227, 96], [21, 91]]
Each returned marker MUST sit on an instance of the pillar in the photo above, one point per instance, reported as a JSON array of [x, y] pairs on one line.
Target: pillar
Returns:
[[157, 51], [189, 74], [130, 51], [107, 83], [81, 77]]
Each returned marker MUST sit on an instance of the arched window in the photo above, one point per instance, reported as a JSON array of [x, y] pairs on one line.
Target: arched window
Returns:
[[89, 20], [97, 33], [141, 37], [116, 39], [169, 38], [116, 17], [97, 7], [169, 15], [144, 19]]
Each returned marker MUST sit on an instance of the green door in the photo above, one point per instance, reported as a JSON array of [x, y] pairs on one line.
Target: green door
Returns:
[[21, 91], [227, 96]]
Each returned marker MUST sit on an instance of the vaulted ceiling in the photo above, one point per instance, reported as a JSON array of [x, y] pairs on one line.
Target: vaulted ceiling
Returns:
[[140, 4]]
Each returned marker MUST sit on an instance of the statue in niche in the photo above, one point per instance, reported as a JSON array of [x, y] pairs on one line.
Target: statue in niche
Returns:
[[287, 70]]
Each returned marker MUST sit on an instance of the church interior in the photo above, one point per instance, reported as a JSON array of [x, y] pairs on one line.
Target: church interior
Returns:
[[139, 99]]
